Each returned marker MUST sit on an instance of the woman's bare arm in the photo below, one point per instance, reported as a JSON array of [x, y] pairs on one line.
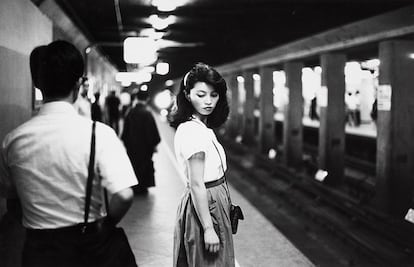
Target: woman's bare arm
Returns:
[[199, 197]]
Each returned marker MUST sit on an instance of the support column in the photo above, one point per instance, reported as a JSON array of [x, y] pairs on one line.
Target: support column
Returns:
[[248, 117], [293, 129], [266, 120], [332, 117], [233, 88], [395, 128]]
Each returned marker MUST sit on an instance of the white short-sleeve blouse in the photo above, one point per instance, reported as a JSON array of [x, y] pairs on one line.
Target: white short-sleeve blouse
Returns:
[[194, 136]]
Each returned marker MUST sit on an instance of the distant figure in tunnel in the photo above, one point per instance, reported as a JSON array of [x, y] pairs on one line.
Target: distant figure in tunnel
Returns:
[[96, 110], [82, 104], [44, 163], [313, 112], [112, 104], [203, 234], [141, 137]]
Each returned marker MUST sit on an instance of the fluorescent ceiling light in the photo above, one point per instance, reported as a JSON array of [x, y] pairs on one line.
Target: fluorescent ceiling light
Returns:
[[162, 68], [140, 50], [136, 77], [169, 82], [144, 87], [168, 5], [160, 23]]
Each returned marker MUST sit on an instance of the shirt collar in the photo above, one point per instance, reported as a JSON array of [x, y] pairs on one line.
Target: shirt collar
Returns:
[[57, 107]]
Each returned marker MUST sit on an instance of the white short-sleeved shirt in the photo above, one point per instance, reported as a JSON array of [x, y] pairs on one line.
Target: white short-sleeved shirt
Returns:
[[192, 137], [45, 161]]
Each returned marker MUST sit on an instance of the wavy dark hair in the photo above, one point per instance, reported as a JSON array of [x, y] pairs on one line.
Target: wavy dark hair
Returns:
[[201, 72]]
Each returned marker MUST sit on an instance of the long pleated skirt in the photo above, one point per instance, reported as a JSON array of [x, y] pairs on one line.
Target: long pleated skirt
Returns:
[[189, 249]]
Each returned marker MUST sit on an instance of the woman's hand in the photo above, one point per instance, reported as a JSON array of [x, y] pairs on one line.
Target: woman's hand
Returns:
[[211, 240]]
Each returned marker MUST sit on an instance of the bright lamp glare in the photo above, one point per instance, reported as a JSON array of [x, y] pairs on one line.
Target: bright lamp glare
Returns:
[[148, 69], [240, 79], [125, 98], [159, 23], [38, 94], [140, 50], [167, 5], [321, 175], [144, 87], [136, 77], [169, 82], [125, 83], [163, 100], [256, 77], [272, 153], [162, 68]]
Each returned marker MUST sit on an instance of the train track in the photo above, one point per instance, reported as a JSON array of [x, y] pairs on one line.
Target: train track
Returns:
[[385, 242]]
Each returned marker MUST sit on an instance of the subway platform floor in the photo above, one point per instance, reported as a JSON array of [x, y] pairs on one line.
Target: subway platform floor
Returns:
[[150, 221]]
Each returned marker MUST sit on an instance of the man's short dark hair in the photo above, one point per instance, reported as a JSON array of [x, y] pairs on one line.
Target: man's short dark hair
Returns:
[[58, 68], [142, 95], [35, 65]]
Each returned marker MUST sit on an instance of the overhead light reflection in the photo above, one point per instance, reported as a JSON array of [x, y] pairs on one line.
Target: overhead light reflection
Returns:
[[162, 68], [160, 23], [167, 5], [169, 82], [140, 50]]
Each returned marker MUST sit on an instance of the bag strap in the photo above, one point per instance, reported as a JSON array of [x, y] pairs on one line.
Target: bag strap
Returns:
[[222, 166], [91, 174], [224, 173]]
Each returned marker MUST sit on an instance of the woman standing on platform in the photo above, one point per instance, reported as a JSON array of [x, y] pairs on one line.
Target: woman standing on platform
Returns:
[[203, 235]]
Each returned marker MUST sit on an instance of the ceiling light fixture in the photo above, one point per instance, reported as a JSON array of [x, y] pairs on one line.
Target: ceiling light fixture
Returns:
[[160, 23], [167, 5], [162, 68], [140, 50]]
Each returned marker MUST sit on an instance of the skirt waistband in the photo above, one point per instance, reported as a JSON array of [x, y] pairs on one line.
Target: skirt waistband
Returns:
[[215, 182]]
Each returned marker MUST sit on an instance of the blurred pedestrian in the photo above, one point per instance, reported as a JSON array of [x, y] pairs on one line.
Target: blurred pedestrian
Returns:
[[141, 137], [203, 234], [313, 113], [112, 103], [82, 104], [44, 163], [96, 110]]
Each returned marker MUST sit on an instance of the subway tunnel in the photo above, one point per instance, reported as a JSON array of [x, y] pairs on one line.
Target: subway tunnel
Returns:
[[318, 140]]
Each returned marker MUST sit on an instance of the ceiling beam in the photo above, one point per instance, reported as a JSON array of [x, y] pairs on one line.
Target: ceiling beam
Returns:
[[390, 25]]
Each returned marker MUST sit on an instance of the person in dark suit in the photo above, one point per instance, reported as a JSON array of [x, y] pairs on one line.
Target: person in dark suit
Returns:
[[140, 136], [96, 111], [112, 103]]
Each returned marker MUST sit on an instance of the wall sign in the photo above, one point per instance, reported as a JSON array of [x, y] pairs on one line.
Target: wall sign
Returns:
[[322, 98], [384, 97]]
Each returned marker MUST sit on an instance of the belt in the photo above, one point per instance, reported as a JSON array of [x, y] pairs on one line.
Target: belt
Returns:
[[215, 182], [81, 228]]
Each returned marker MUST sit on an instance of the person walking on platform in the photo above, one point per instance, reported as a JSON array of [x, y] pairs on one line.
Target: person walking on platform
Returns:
[[82, 104], [44, 163], [112, 103], [96, 111], [203, 234], [141, 137]]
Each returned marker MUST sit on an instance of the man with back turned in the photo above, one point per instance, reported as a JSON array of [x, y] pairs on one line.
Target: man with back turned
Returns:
[[44, 163]]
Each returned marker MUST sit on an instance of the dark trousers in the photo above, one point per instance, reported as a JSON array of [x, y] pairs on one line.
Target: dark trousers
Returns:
[[69, 247]]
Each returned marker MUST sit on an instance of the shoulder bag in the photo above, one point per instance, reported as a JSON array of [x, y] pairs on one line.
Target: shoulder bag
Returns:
[[110, 246], [236, 213]]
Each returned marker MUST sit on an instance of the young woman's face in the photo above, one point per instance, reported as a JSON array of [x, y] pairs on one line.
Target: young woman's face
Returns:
[[204, 98]]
